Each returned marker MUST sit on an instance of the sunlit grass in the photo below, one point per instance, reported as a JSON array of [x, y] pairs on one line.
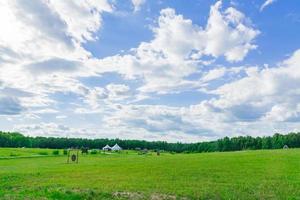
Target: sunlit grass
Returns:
[[269, 174]]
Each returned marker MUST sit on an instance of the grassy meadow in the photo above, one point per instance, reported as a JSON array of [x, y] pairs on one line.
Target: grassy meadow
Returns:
[[267, 174]]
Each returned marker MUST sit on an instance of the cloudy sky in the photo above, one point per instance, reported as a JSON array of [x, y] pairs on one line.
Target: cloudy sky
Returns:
[[175, 70]]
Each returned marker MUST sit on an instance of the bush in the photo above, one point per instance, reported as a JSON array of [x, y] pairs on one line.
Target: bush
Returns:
[[94, 151], [55, 152], [43, 153], [13, 155], [65, 152]]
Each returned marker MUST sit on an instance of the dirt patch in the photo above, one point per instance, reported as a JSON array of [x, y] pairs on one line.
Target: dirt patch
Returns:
[[162, 197], [129, 195], [140, 196]]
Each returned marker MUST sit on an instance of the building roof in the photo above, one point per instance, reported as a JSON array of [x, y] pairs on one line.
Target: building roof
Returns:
[[106, 147], [116, 147]]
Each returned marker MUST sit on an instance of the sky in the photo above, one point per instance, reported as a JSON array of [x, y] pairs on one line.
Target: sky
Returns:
[[172, 70]]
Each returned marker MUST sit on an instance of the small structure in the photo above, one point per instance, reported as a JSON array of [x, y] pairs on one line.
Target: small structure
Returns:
[[116, 147], [285, 147], [106, 148], [73, 155]]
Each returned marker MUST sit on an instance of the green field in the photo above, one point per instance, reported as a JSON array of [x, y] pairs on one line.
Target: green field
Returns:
[[268, 174]]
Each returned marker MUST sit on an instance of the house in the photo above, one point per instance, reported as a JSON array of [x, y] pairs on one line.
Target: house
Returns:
[[106, 148], [116, 147]]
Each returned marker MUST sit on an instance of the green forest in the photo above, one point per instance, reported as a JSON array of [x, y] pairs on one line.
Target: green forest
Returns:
[[277, 141]]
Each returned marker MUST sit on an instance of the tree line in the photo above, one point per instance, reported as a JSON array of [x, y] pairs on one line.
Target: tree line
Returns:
[[277, 141]]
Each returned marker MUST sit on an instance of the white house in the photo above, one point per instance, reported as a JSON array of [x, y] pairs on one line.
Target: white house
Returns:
[[106, 148], [116, 147]]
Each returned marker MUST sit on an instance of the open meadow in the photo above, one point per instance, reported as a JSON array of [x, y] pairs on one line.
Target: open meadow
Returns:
[[266, 174]]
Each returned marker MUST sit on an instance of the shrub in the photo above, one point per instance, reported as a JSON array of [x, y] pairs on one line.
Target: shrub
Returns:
[[65, 152], [44, 153], [94, 151], [13, 154], [55, 152]]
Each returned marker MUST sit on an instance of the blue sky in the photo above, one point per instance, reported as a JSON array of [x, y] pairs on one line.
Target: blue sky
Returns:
[[169, 70]]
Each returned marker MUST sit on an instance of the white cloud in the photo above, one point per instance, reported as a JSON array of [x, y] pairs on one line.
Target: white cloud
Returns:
[[214, 74], [83, 17], [264, 101], [41, 46], [267, 92], [179, 46], [229, 34], [282, 112], [60, 58], [99, 97], [51, 130], [36, 31], [265, 4], [117, 91], [46, 111], [160, 121], [137, 4]]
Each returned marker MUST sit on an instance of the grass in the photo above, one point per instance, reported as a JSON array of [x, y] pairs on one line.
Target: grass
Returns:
[[24, 152], [268, 174]]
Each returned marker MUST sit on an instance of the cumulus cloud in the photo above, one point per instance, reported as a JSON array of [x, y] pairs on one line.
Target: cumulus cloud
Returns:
[[43, 60], [268, 92], [117, 90], [83, 17], [229, 34], [179, 47], [38, 30], [98, 97], [263, 101], [161, 119], [162, 67], [41, 46], [34, 26]]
